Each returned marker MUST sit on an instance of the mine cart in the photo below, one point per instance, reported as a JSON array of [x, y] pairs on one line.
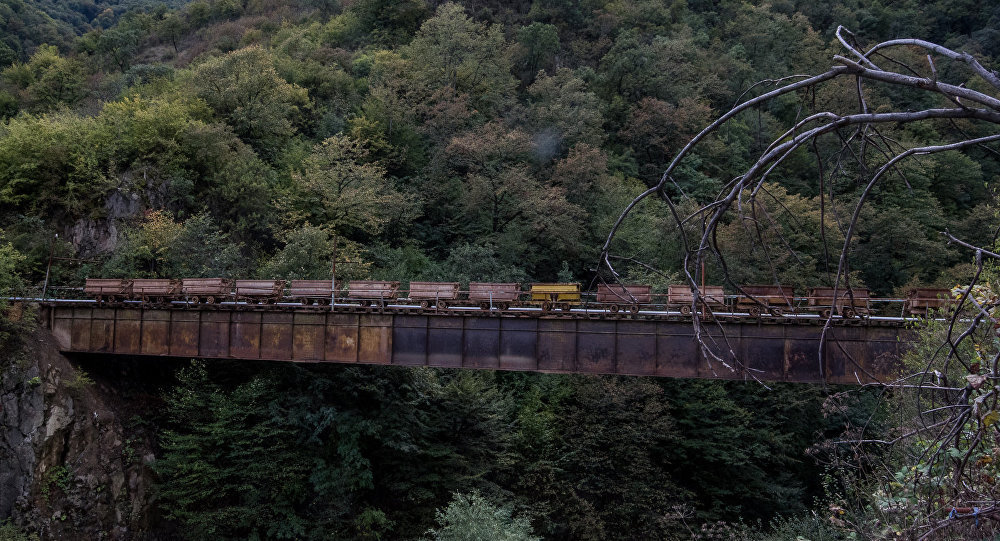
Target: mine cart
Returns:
[[489, 294], [440, 294], [614, 297], [776, 299], [366, 292], [311, 291], [108, 289], [922, 300], [155, 290], [849, 303], [206, 290], [259, 291], [562, 296], [681, 296]]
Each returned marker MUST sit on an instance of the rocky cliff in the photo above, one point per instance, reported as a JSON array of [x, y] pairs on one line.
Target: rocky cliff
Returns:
[[74, 454]]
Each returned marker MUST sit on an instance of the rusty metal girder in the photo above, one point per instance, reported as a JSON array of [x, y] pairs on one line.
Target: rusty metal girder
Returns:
[[640, 347]]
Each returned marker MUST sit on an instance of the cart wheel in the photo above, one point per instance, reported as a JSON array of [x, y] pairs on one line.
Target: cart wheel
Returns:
[[425, 304], [849, 313], [442, 305], [777, 311], [566, 307], [686, 310], [160, 300], [826, 313], [754, 311], [194, 299], [546, 306], [634, 308], [323, 302], [210, 300], [613, 308], [484, 306]]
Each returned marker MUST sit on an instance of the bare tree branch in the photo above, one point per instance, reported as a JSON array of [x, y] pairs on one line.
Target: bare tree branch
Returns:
[[951, 415]]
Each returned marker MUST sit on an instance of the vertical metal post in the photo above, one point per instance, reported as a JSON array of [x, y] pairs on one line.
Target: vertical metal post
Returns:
[[333, 275], [48, 269], [704, 300]]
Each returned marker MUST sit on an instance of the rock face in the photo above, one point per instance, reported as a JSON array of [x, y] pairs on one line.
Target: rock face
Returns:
[[92, 236], [70, 466]]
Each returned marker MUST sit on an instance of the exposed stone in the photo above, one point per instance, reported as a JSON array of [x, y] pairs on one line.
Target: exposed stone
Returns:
[[95, 236], [62, 475], [59, 419]]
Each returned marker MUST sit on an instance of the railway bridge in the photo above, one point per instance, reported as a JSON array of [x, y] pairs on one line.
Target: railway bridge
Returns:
[[644, 344]]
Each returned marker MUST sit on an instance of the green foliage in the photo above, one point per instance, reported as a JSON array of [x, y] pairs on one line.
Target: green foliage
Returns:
[[429, 433], [49, 166], [780, 240], [404, 262], [163, 248], [453, 51], [471, 517], [146, 73], [340, 191], [78, 381], [732, 441], [565, 112], [57, 476], [590, 458], [539, 43], [10, 532], [372, 524], [479, 263], [119, 44], [308, 254], [391, 22], [244, 89], [47, 81], [10, 280], [668, 68], [218, 484], [501, 201]]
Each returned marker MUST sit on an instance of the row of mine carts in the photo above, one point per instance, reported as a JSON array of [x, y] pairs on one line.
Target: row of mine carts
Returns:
[[753, 300]]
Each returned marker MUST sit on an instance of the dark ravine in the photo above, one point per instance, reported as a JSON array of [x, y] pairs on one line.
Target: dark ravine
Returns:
[[74, 457]]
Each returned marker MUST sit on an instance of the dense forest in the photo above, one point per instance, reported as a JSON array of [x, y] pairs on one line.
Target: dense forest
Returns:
[[471, 140]]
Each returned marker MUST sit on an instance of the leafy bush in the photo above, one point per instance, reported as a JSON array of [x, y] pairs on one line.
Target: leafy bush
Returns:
[[471, 517]]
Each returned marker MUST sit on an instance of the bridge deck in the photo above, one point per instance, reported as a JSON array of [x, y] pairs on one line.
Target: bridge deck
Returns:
[[775, 349]]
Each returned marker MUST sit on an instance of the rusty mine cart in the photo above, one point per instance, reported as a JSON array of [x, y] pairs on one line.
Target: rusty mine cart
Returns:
[[681, 297], [440, 294], [777, 300], [615, 297]]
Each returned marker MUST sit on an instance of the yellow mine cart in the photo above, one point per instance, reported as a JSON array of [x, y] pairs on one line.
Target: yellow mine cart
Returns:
[[562, 296]]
